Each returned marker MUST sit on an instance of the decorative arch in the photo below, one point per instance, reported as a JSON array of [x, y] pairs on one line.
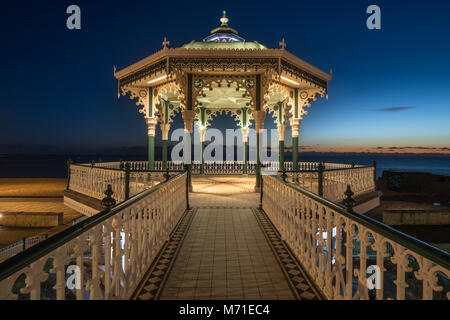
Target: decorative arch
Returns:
[[236, 114], [278, 93], [169, 93]]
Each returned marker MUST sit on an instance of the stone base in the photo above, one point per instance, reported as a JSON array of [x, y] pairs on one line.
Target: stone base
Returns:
[[82, 203], [416, 217], [31, 219], [367, 202]]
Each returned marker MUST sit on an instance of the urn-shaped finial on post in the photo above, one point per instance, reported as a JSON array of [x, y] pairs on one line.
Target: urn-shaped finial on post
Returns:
[[109, 201], [167, 175], [283, 174], [349, 202]]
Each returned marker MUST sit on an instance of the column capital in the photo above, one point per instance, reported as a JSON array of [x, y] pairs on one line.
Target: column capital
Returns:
[[259, 116], [151, 125], [188, 117], [202, 132], [281, 130], [295, 125], [165, 128], [244, 132]]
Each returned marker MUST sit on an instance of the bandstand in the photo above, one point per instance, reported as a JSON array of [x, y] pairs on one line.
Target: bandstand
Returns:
[[222, 74], [148, 236]]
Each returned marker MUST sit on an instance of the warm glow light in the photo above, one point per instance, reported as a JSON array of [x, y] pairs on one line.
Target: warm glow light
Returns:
[[289, 80], [157, 79]]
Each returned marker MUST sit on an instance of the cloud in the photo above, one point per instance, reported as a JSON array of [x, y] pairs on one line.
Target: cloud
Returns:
[[417, 148], [394, 109]]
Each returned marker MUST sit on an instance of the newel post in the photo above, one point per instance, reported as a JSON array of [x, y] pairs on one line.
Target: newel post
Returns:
[[188, 182], [349, 202], [127, 181], [320, 179], [375, 174], [261, 183], [108, 202], [69, 163]]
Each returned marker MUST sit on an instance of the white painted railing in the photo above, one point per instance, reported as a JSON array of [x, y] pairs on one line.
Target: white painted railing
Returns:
[[326, 239], [140, 181], [306, 179], [110, 252], [335, 182], [93, 181], [221, 166], [13, 249]]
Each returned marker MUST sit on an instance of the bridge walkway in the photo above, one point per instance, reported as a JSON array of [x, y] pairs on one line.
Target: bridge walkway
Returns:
[[225, 249]]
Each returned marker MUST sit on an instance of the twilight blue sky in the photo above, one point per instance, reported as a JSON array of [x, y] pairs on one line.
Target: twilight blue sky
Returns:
[[390, 87]]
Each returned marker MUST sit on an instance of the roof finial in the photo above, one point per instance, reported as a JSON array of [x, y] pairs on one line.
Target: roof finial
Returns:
[[224, 19], [282, 44], [165, 43]]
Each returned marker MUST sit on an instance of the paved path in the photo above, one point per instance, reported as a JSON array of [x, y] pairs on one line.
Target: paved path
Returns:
[[221, 251]]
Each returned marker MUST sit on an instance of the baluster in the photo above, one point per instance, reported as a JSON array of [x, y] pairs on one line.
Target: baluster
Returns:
[[349, 259]]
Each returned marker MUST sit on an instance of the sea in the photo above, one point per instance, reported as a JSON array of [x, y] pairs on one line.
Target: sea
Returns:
[[55, 166]]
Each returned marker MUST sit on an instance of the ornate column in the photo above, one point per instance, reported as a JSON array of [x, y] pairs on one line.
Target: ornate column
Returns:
[[165, 128], [188, 118], [281, 130], [245, 143], [295, 125], [202, 132], [259, 117], [151, 125]]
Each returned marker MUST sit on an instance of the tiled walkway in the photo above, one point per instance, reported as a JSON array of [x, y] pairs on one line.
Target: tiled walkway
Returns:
[[224, 253]]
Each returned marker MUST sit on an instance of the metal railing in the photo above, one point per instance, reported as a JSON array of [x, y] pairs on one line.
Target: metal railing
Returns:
[[130, 178], [220, 167], [342, 250], [126, 179], [14, 248], [109, 252]]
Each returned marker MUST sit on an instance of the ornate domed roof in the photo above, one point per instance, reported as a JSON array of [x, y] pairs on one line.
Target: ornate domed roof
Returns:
[[224, 37]]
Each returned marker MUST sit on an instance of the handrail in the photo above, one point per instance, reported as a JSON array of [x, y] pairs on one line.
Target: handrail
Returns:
[[25, 258], [115, 169], [432, 253], [352, 168], [98, 166]]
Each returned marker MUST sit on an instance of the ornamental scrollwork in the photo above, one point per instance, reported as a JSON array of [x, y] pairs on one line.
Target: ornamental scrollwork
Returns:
[[276, 94], [236, 114], [202, 84], [139, 95]]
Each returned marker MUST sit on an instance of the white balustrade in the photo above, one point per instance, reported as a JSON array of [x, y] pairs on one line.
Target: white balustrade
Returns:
[[335, 182], [336, 247], [110, 252], [141, 181], [93, 181]]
